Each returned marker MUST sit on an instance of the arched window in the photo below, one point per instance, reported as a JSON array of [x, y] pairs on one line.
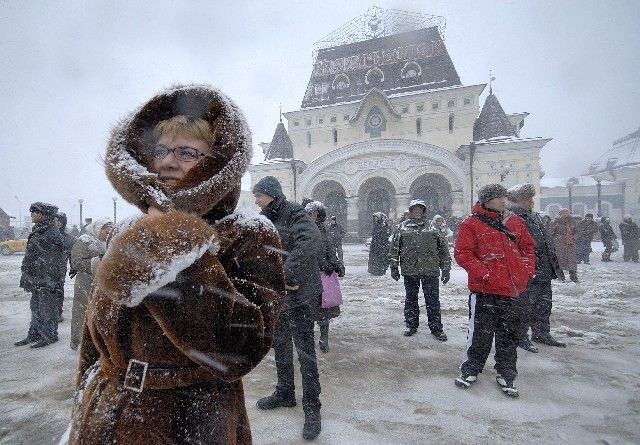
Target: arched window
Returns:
[[335, 136], [451, 122], [309, 139], [374, 76], [411, 70], [341, 83], [418, 126]]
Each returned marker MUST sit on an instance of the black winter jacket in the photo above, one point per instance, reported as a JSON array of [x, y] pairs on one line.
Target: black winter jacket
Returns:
[[629, 232], [547, 267], [302, 244], [42, 265]]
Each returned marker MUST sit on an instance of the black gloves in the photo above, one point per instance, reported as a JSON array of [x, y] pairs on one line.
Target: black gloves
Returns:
[[446, 274], [395, 273]]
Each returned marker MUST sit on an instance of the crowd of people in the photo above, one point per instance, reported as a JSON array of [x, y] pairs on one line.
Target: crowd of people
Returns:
[[173, 307]]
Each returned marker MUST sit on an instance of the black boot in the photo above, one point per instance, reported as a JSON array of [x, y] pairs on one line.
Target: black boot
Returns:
[[573, 276], [409, 332], [527, 345], [324, 337], [25, 341], [547, 339], [275, 400], [42, 343], [312, 423]]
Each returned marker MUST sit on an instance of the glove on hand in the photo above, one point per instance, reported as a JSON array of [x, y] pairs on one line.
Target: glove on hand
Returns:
[[395, 273], [446, 274]]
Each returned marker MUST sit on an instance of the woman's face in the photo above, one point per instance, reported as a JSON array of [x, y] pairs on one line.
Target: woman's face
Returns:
[[170, 169], [313, 215]]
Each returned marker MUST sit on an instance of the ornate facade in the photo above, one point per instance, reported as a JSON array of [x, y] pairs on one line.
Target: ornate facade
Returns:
[[385, 120]]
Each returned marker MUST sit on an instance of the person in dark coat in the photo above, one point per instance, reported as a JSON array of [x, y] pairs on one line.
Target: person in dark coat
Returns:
[[186, 296], [421, 253], [329, 263], [563, 232], [585, 230], [379, 248], [630, 236], [41, 275], [498, 254], [68, 240], [301, 241], [335, 233], [608, 236], [536, 301]]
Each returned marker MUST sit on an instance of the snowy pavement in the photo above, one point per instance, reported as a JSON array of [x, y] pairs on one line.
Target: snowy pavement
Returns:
[[379, 387]]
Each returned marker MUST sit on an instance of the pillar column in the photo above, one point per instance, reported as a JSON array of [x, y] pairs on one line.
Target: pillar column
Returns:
[[402, 203], [352, 216]]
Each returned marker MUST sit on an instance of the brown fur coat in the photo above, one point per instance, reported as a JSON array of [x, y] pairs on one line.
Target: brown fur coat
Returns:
[[192, 294]]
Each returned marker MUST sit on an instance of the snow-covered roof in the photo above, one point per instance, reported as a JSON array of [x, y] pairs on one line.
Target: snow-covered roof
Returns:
[[625, 152]]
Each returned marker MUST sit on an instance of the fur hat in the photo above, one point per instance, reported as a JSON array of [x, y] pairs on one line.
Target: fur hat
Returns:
[[520, 192], [269, 186], [417, 202], [44, 208], [490, 191]]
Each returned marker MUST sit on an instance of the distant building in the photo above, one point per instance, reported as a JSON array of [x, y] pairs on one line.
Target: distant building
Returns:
[[613, 180], [386, 119], [5, 220]]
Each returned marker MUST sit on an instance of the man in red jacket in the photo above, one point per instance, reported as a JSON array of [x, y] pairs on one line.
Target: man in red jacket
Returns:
[[497, 252]]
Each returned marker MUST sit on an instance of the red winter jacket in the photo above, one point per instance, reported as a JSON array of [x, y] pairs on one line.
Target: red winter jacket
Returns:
[[495, 264]]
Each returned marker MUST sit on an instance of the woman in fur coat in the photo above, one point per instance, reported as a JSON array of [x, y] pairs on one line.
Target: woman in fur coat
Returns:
[[85, 256], [186, 297], [329, 263]]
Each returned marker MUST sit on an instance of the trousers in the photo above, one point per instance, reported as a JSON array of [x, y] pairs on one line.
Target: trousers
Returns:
[[431, 291], [44, 314]]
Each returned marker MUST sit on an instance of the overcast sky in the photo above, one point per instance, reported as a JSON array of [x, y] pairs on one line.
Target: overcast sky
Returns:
[[70, 69]]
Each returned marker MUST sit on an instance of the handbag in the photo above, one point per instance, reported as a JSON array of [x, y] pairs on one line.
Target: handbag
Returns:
[[331, 293]]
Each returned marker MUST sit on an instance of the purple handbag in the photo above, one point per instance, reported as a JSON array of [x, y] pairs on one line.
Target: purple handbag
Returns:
[[331, 293]]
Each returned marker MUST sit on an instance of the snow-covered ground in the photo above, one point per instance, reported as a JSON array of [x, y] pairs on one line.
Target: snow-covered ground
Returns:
[[379, 387]]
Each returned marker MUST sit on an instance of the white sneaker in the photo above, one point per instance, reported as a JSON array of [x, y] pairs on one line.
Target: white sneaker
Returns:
[[507, 386], [465, 381]]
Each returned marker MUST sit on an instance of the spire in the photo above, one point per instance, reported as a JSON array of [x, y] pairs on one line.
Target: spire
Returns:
[[493, 121], [281, 146], [280, 112], [491, 79]]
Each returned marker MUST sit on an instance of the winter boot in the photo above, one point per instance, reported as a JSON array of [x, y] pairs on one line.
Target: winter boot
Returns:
[[440, 335], [411, 331], [507, 386], [547, 339], [324, 337], [312, 423], [465, 380], [275, 400], [42, 343], [25, 341], [527, 345], [573, 276]]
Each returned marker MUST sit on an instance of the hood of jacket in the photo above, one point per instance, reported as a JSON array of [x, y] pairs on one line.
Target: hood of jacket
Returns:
[[213, 185]]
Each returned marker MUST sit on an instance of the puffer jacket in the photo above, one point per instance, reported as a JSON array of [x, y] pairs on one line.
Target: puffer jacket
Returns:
[[495, 265], [419, 250], [44, 259]]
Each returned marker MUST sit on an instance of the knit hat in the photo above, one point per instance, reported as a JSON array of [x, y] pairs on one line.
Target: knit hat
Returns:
[[269, 186], [521, 191], [417, 202], [43, 208], [490, 191]]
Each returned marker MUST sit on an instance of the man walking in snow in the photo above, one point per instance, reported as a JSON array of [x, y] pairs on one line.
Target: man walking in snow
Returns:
[[630, 236], [301, 242], [585, 230], [498, 254], [420, 253], [41, 274], [536, 301]]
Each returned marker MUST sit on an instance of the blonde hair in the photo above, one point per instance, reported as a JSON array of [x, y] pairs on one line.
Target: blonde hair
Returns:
[[182, 125]]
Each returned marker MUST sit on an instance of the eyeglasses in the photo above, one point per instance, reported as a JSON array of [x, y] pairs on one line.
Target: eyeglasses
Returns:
[[185, 154]]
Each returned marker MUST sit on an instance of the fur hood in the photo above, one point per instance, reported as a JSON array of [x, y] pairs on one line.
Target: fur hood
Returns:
[[211, 186]]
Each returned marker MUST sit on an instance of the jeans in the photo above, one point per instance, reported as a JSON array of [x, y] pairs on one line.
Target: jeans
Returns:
[[583, 249], [431, 290], [535, 305], [295, 326]]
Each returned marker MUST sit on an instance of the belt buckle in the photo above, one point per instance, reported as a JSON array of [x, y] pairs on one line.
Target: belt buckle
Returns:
[[135, 375]]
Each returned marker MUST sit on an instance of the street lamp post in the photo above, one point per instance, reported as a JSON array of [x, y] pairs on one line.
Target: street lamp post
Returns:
[[115, 198], [19, 211], [570, 183], [599, 188], [80, 201]]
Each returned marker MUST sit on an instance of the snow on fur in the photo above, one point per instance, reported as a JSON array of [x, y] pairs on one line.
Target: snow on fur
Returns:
[[247, 218]]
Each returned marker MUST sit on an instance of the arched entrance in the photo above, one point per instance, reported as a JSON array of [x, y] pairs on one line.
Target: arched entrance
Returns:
[[333, 196], [374, 195], [435, 191]]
